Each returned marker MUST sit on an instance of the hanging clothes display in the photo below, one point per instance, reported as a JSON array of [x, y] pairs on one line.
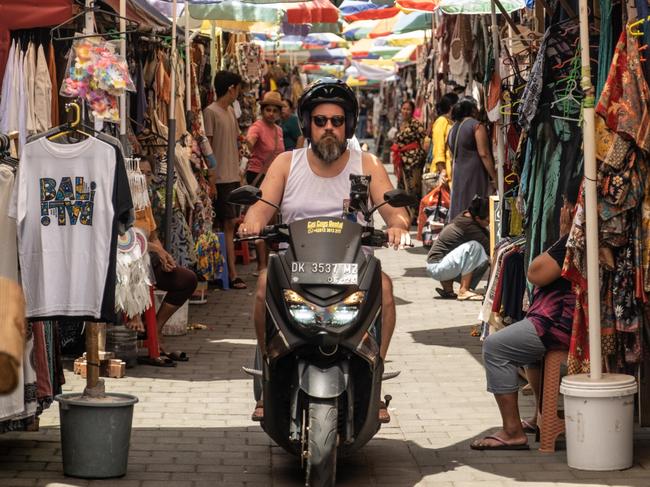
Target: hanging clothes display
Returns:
[[624, 141], [67, 202]]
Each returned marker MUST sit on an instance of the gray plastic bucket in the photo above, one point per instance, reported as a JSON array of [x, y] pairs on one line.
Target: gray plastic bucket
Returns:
[[95, 434]]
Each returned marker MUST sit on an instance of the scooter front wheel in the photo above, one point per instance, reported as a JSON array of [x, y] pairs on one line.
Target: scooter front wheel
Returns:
[[322, 434]]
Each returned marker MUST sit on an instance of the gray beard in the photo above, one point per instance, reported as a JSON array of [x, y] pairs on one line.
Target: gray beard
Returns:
[[328, 149]]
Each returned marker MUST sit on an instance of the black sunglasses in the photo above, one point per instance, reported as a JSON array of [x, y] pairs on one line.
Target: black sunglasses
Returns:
[[321, 120]]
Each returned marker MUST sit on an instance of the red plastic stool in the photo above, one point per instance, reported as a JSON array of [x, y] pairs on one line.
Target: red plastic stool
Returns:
[[151, 327], [241, 250], [550, 424]]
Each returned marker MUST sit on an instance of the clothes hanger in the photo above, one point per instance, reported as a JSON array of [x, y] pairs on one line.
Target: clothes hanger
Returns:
[[632, 28], [55, 32]]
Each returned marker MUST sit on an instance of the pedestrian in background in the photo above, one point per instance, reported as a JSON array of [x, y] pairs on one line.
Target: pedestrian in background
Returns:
[[473, 168], [442, 159], [291, 133], [408, 155], [222, 130], [265, 141]]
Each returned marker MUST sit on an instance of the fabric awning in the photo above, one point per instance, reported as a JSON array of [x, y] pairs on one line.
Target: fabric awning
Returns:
[[28, 14]]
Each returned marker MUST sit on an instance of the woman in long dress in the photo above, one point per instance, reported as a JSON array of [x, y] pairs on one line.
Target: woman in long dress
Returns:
[[473, 169], [409, 155]]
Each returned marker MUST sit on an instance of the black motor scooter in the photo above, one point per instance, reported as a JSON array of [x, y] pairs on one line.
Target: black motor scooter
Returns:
[[321, 374]]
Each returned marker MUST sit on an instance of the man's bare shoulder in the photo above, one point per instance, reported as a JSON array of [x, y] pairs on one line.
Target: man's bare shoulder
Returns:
[[282, 163], [371, 163]]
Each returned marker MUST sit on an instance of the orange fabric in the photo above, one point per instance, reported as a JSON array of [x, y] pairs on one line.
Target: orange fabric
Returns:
[[51, 66], [145, 221]]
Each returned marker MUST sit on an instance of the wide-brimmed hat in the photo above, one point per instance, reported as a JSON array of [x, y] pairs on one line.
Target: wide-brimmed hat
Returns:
[[272, 98]]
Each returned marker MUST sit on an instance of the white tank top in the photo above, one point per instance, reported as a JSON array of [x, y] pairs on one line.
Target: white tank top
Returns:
[[307, 195]]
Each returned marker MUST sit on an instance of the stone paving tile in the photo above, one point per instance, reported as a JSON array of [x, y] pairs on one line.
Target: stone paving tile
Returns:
[[192, 427]]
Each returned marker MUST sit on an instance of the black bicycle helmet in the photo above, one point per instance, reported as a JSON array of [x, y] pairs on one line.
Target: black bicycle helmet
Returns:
[[328, 90]]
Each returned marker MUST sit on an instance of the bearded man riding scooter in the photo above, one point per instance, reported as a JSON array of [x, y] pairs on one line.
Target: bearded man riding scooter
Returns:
[[315, 182]]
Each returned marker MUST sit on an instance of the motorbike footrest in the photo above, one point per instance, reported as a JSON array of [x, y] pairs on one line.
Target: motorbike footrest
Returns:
[[390, 375], [252, 372]]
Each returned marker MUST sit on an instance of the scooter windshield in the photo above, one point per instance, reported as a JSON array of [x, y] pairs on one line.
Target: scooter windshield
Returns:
[[325, 239]]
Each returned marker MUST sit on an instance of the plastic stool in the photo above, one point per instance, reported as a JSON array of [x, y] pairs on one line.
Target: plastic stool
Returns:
[[550, 424], [224, 276], [241, 250], [151, 327]]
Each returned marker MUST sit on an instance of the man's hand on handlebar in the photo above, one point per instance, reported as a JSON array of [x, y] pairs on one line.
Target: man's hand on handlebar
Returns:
[[249, 229], [398, 238]]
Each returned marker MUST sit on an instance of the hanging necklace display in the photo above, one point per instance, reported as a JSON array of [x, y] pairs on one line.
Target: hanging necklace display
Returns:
[[137, 184], [133, 273]]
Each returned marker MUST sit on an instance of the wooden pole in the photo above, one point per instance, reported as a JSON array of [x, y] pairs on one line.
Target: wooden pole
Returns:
[[591, 198]]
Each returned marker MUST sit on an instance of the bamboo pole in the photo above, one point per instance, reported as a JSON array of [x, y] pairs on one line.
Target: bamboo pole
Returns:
[[123, 114], [591, 199]]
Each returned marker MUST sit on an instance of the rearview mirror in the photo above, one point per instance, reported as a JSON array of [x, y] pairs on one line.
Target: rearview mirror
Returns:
[[246, 195], [398, 198]]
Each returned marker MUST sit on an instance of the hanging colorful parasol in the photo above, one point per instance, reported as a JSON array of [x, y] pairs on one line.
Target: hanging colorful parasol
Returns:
[[416, 38], [361, 48], [413, 21], [477, 7], [354, 10], [406, 54], [359, 29], [417, 5], [315, 11]]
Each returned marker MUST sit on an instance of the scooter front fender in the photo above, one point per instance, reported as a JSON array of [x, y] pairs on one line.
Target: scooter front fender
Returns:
[[323, 383]]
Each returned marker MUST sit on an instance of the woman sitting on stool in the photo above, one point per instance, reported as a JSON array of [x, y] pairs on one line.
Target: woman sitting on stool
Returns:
[[179, 282]]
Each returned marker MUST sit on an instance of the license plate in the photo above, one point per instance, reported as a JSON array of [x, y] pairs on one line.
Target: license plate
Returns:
[[324, 273]]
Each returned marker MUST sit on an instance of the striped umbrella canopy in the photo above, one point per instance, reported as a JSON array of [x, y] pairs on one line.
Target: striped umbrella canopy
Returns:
[[323, 39], [401, 23], [409, 22], [477, 7], [417, 5], [406, 54], [315, 11], [361, 48], [306, 29], [354, 10], [414, 38], [359, 29]]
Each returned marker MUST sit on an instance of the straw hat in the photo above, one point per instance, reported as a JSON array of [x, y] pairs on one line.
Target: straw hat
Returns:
[[272, 98]]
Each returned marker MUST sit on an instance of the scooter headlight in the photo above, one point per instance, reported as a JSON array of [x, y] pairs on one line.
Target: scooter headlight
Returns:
[[300, 309], [308, 314]]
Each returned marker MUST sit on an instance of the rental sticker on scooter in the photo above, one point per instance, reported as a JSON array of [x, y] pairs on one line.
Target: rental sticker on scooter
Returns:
[[324, 226], [324, 273]]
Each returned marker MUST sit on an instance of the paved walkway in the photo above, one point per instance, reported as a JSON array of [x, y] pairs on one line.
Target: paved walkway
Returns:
[[192, 427]]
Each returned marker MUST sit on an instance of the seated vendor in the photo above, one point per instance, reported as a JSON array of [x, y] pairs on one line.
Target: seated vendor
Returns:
[[547, 325], [179, 282], [461, 252]]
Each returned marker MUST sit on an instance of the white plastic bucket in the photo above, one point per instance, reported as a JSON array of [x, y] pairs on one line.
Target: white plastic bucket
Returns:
[[177, 324], [599, 418]]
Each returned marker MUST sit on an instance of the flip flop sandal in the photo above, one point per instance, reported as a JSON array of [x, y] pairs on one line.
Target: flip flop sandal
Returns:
[[177, 356], [528, 427], [469, 296], [446, 294], [238, 283], [157, 362], [502, 445], [258, 413]]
